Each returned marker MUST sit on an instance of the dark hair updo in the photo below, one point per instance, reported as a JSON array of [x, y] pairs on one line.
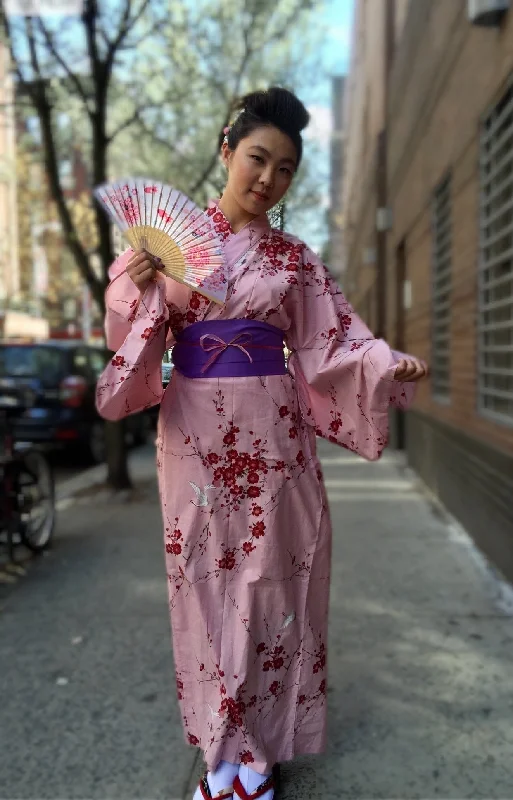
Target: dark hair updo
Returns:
[[274, 106]]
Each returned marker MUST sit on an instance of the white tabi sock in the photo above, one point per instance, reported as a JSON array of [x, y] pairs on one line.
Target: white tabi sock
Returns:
[[251, 780], [222, 778]]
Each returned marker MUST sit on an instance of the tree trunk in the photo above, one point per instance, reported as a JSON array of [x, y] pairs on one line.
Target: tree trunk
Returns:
[[117, 456]]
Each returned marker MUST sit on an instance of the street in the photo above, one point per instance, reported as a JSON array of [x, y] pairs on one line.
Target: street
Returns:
[[421, 647]]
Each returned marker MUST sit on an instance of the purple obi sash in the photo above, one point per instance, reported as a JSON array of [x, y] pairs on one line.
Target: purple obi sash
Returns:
[[232, 348]]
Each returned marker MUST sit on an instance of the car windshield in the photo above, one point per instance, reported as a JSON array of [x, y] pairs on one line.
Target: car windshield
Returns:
[[22, 361]]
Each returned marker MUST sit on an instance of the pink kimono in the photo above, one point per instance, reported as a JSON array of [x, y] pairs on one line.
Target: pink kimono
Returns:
[[246, 523]]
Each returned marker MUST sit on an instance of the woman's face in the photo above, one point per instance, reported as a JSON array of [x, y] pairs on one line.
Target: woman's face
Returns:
[[260, 169]]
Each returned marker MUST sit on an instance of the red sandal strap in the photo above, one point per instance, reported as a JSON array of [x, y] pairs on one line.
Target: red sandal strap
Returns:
[[242, 794], [205, 791]]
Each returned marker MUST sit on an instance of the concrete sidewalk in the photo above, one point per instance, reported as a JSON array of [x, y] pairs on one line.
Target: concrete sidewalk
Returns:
[[421, 677]]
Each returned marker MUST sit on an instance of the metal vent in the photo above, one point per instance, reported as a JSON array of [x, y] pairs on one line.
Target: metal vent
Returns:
[[495, 366], [441, 291]]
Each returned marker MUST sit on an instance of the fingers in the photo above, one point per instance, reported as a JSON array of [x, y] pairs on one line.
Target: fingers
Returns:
[[147, 275], [142, 257], [410, 369], [142, 268]]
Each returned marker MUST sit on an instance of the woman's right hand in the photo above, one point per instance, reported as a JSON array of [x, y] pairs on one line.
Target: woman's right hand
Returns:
[[142, 269]]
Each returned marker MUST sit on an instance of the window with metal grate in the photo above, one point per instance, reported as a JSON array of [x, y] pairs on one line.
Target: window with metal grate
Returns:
[[441, 292], [495, 306]]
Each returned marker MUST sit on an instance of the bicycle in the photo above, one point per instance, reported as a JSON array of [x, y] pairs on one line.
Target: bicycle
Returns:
[[27, 499]]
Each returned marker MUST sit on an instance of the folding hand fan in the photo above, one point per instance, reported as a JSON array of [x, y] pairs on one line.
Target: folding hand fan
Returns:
[[171, 227]]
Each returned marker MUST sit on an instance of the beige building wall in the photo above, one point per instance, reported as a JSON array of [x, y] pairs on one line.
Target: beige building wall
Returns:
[[378, 26], [400, 13], [365, 103], [9, 258]]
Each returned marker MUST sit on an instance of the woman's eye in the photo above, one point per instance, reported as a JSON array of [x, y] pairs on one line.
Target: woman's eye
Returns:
[[258, 158], [286, 171]]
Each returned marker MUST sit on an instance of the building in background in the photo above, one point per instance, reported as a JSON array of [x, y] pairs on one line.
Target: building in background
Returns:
[[51, 283], [9, 261], [366, 219], [336, 255], [438, 209]]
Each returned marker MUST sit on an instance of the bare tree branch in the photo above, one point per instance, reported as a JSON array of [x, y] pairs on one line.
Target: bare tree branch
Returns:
[[229, 109], [44, 111], [124, 125], [134, 117], [100, 80], [14, 61], [70, 74], [156, 138], [127, 24]]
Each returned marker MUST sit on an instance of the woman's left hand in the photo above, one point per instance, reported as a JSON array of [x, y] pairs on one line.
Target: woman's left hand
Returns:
[[410, 369]]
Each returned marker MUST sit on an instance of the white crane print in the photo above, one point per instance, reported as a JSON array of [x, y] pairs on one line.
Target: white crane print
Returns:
[[212, 712], [201, 494]]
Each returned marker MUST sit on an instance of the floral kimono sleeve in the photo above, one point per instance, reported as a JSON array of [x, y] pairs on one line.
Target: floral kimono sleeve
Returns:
[[132, 380], [344, 376], [122, 298]]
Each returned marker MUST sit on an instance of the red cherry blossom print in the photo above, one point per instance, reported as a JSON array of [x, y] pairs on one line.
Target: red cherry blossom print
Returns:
[[258, 529], [192, 739], [321, 659], [228, 561], [246, 757]]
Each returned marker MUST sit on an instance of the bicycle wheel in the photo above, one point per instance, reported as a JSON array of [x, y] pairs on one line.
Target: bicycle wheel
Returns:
[[36, 501]]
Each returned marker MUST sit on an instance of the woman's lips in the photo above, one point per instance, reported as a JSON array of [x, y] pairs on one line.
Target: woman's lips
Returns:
[[261, 197]]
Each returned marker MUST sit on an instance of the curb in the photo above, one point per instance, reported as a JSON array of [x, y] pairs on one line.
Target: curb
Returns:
[[84, 480], [141, 462]]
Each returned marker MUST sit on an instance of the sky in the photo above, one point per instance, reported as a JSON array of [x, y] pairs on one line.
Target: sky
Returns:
[[336, 16]]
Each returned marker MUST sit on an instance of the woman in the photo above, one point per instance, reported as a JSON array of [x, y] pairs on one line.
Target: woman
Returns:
[[247, 529]]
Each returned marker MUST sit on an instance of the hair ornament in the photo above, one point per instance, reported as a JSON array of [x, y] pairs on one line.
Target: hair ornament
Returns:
[[230, 125]]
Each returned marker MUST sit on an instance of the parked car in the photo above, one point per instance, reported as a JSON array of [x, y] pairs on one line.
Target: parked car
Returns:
[[62, 375], [167, 369]]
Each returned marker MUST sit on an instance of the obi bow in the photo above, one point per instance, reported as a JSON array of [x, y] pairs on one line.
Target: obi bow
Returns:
[[214, 344]]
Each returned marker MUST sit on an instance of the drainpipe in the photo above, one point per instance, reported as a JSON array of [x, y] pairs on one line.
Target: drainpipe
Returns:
[[382, 217]]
